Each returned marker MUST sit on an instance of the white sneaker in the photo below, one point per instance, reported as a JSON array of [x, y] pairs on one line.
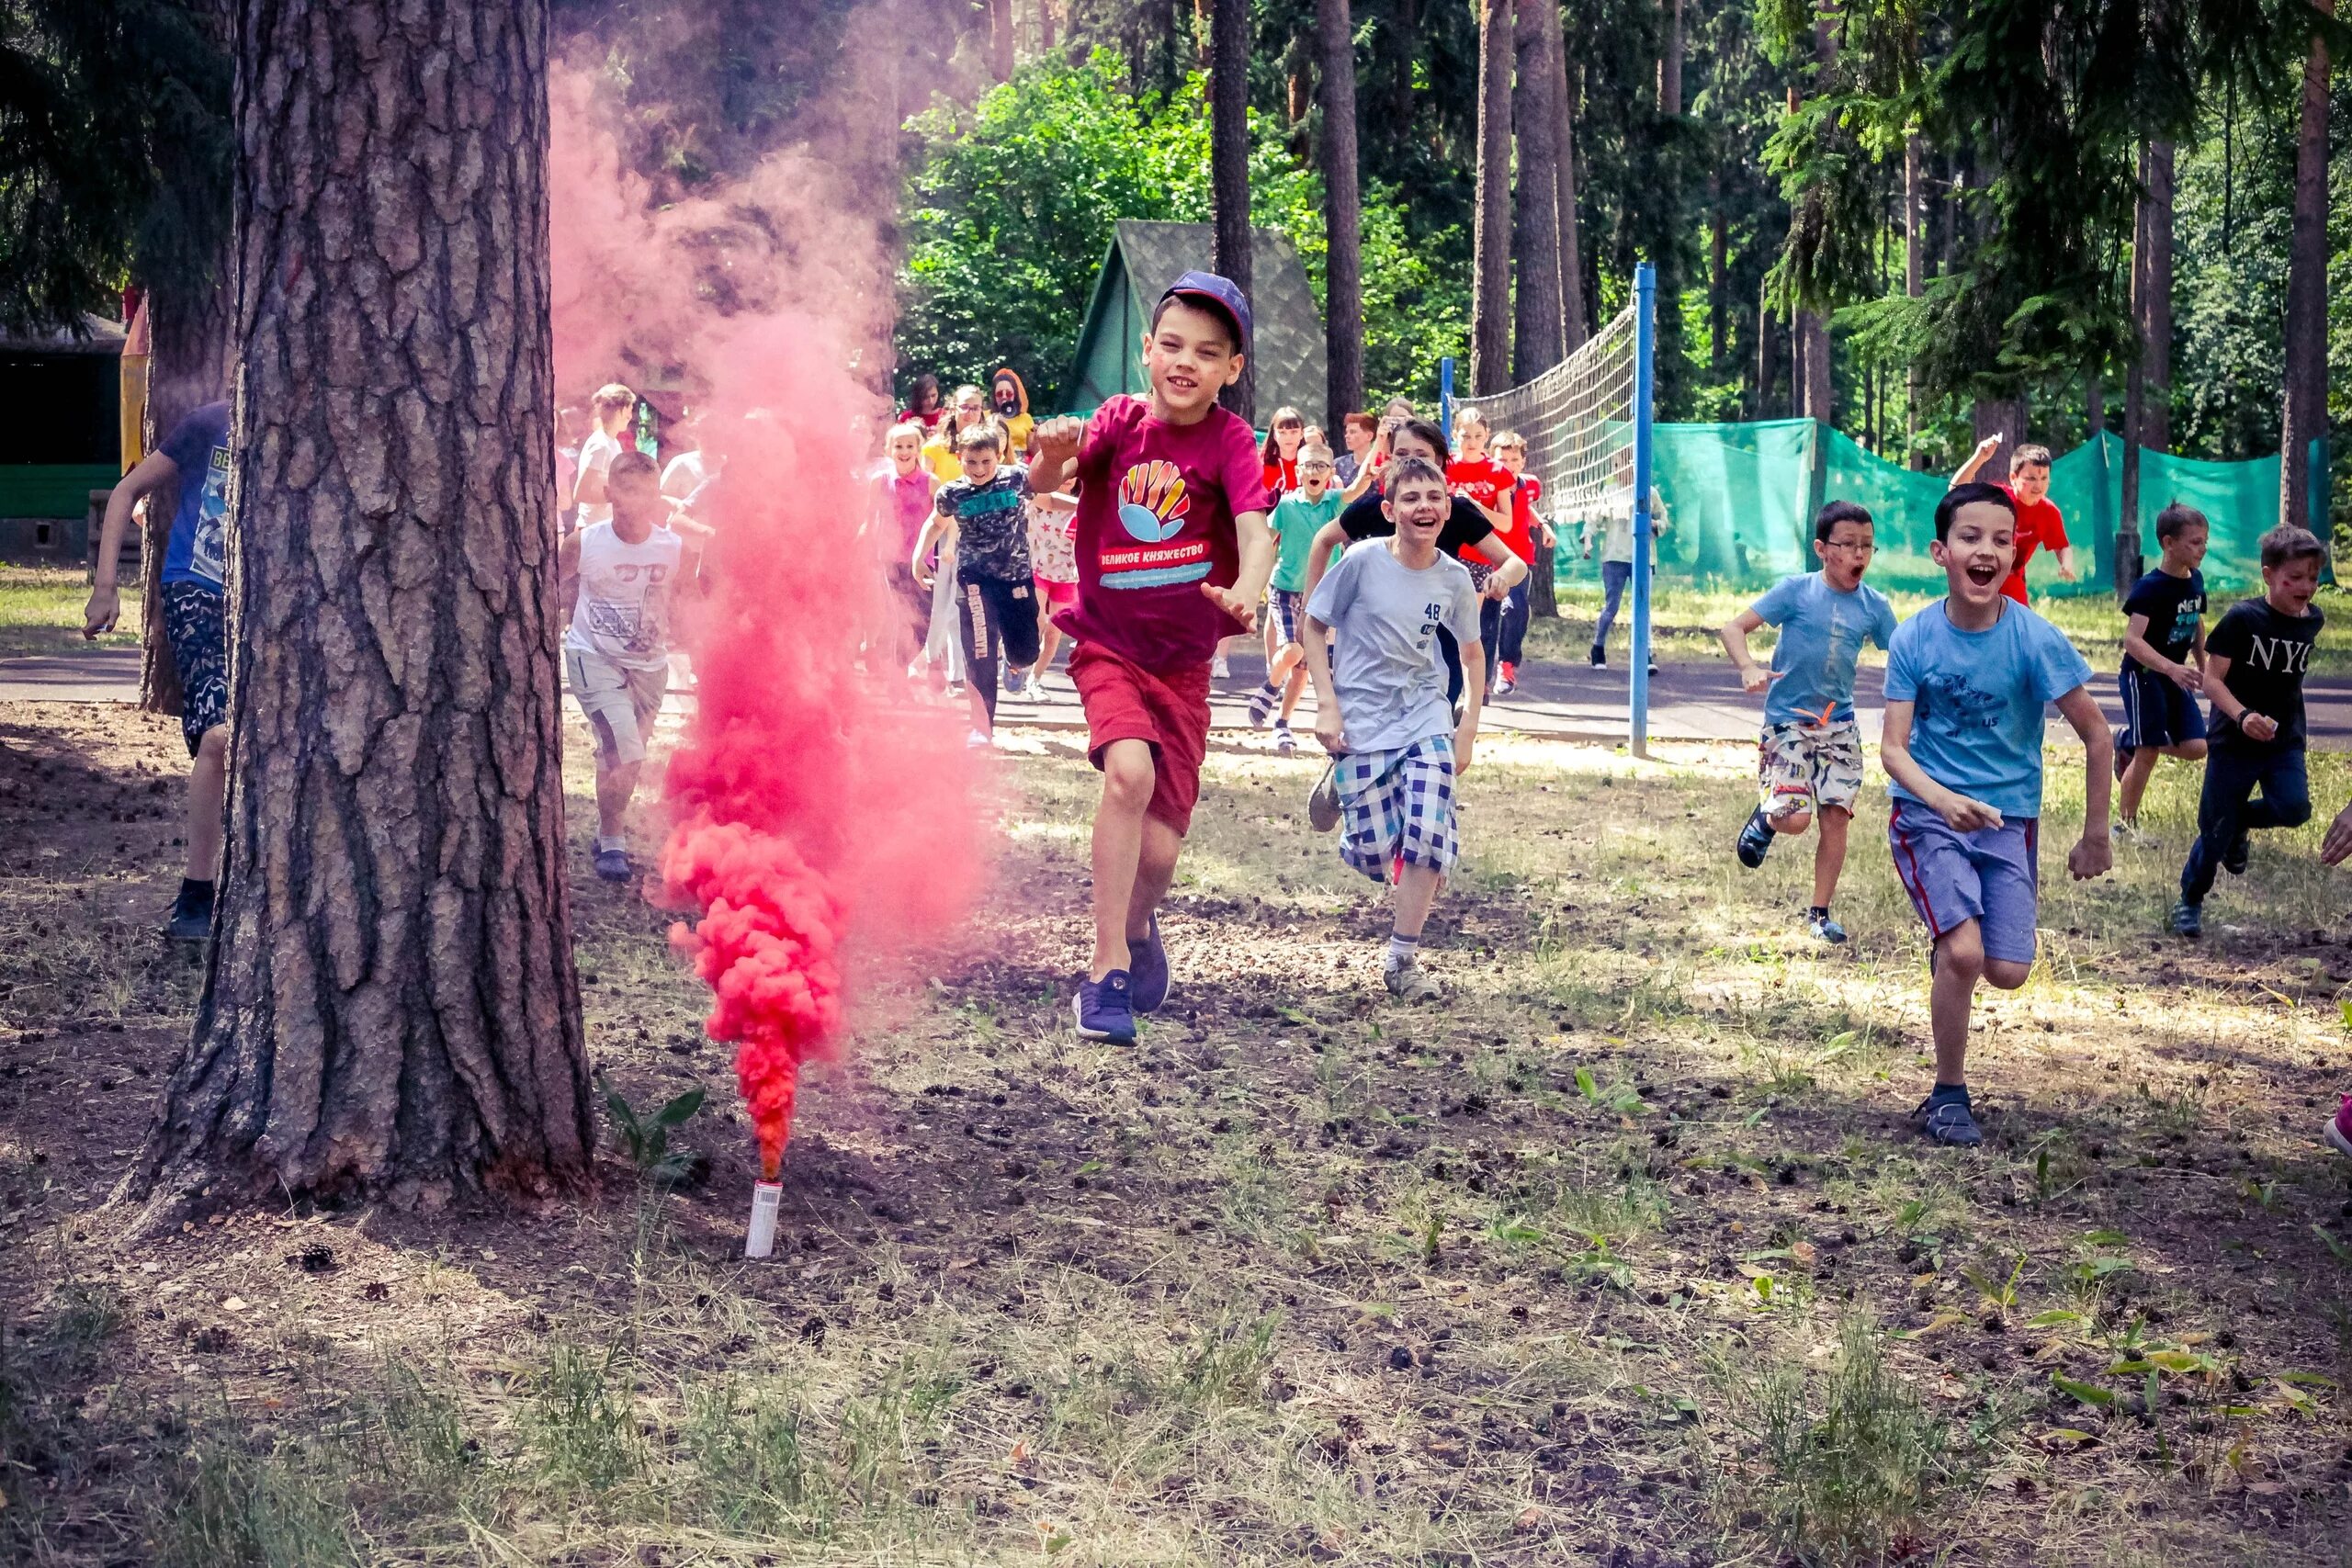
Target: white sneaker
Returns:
[[980, 740], [1220, 668]]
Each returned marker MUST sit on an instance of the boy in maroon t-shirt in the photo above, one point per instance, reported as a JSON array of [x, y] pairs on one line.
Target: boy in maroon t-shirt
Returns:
[[1173, 555]]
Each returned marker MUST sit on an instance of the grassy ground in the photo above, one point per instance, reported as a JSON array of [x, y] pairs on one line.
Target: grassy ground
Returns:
[[1684, 620], [1623, 1255], [41, 612]]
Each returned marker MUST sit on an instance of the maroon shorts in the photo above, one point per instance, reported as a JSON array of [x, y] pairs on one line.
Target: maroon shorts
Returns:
[[1167, 710]]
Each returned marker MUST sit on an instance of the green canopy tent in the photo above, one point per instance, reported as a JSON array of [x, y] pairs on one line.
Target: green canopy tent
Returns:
[[1144, 257]]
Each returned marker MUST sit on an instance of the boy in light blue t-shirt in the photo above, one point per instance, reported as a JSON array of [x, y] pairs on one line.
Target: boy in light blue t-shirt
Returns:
[[1809, 759], [1966, 681]]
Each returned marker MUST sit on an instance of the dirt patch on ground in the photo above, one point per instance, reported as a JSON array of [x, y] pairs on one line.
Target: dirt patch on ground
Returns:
[[1621, 1255]]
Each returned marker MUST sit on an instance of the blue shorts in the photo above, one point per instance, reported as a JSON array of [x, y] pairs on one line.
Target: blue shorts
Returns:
[[1992, 876], [196, 628], [2156, 712]]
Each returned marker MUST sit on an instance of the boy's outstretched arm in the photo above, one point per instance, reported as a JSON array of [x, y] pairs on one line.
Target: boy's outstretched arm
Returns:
[[1058, 442], [1977, 459], [567, 575], [2223, 701], [1965, 814], [2338, 843], [1248, 590], [1473, 657], [1328, 539], [1509, 570], [2096, 852], [936, 530], [1734, 633], [1329, 728]]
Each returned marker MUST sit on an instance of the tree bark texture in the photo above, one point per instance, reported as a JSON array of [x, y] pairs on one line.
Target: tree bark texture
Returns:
[[1490, 237], [2155, 319], [389, 1008], [1914, 282], [1538, 338], [2305, 415], [1718, 276], [1562, 95], [1001, 39], [1229, 167], [1342, 217], [1669, 62]]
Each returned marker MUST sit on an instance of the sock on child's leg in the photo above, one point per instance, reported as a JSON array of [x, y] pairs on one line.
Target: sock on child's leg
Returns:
[[1402, 952]]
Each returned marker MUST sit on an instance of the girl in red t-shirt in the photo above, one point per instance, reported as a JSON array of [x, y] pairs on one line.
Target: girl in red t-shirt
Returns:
[[1285, 432]]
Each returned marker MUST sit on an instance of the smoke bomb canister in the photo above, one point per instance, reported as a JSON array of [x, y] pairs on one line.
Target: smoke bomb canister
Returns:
[[766, 1198]]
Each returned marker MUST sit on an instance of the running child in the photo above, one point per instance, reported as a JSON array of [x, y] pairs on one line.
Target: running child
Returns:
[[903, 487], [1382, 711], [193, 465], [610, 412], [2254, 664], [1966, 681], [1278, 455], [2164, 657], [1173, 555], [1298, 516], [1053, 556], [979, 514], [1809, 758], [2041, 525], [1502, 624], [618, 579]]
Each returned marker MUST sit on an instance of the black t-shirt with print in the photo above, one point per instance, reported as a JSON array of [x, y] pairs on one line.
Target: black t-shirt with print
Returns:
[[2174, 606], [1466, 526], [2269, 655], [992, 528]]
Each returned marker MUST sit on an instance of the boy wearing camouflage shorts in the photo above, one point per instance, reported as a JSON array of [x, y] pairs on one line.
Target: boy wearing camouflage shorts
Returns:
[[1810, 756]]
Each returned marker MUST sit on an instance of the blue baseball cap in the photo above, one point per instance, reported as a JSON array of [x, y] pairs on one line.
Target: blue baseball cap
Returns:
[[1220, 293]]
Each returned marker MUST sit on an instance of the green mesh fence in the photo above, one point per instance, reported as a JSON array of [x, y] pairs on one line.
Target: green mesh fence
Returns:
[[1740, 499]]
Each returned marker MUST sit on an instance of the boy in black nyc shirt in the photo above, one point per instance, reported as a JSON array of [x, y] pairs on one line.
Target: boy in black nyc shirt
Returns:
[[2254, 664], [2164, 644]]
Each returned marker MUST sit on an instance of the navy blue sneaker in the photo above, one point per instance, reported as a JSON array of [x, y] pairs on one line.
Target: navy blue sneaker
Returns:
[[1106, 1009], [613, 865], [2187, 919], [191, 916], [1147, 970], [1950, 1123], [1755, 839], [2233, 858]]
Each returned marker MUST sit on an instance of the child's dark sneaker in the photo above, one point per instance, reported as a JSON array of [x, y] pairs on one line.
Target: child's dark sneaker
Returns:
[[191, 916], [1015, 683], [2122, 756], [1755, 839], [2187, 919], [1106, 1009], [1261, 708], [2233, 858], [1822, 928], [2339, 1128], [1948, 1121], [1147, 971], [1598, 658], [614, 865]]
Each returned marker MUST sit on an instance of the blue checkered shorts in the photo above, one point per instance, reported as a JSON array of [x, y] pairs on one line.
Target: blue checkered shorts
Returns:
[[1399, 808]]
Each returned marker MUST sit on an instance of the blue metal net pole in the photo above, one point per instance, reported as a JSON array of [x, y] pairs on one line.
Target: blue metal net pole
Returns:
[[1644, 343]]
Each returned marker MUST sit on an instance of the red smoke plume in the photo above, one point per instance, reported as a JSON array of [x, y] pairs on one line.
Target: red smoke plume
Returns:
[[820, 816]]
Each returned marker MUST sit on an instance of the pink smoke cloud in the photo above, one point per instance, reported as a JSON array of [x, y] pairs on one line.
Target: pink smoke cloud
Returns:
[[821, 819]]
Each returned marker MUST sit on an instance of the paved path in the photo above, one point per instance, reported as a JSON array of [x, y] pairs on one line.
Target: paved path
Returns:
[[1688, 702]]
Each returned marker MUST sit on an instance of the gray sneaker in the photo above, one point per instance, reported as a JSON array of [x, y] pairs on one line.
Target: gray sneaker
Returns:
[[1323, 805], [1411, 983]]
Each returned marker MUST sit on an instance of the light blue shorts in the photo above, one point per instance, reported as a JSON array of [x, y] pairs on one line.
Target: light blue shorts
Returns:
[[1992, 876]]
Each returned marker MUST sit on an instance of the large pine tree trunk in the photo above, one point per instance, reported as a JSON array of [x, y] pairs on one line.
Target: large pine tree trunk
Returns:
[[1001, 39], [1575, 321], [2305, 420], [1915, 283], [2157, 320], [1343, 216], [1538, 339], [390, 1008], [1491, 238], [190, 314], [1229, 167], [1669, 62], [1812, 327]]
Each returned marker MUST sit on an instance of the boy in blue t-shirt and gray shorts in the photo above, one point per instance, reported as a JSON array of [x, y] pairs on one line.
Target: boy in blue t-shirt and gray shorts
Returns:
[[1809, 759], [1966, 681]]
